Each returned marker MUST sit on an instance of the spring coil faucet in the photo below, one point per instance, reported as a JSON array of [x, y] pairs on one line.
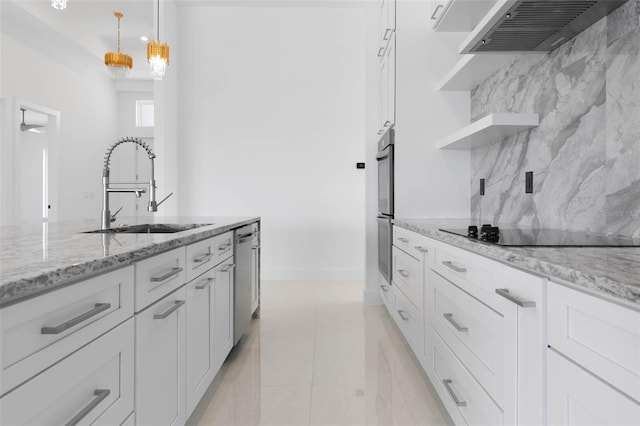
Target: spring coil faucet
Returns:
[[106, 217]]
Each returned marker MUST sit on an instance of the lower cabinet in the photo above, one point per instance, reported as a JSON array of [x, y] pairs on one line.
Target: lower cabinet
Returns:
[[160, 362], [94, 385], [223, 312]]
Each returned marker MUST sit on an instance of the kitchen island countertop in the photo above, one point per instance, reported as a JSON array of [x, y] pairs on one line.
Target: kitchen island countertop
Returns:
[[35, 259], [610, 272]]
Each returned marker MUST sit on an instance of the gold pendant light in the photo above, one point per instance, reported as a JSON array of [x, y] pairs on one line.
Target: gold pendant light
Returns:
[[158, 53], [118, 63]]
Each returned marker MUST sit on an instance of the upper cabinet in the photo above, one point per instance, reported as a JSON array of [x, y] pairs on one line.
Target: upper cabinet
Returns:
[[458, 15], [387, 27], [387, 65]]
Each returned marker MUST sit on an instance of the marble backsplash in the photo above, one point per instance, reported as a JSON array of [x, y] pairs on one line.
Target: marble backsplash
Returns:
[[585, 153]]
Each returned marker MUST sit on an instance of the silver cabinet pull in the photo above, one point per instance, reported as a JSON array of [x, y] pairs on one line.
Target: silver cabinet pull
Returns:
[[403, 239], [403, 315], [421, 249], [504, 292], [458, 401], [386, 34], [224, 247], [453, 267], [449, 317], [171, 273], [380, 51], [100, 395], [169, 311], [228, 268], [381, 131], [435, 12], [99, 307], [204, 258], [384, 288], [205, 283], [403, 273], [387, 123]]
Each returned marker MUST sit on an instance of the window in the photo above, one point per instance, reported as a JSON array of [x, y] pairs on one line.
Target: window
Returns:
[[144, 113]]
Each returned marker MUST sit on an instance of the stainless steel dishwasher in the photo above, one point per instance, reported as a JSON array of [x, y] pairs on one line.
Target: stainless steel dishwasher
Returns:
[[246, 238]]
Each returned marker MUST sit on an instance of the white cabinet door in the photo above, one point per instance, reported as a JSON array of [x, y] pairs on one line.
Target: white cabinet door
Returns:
[[223, 312], [200, 361], [160, 362], [391, 81], [438, 8], [576, 397]]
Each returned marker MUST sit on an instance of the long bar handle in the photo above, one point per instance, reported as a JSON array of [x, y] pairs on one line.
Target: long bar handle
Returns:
[[228, 268], [421, 249], [403, 273], [99, 307], [435, 12], [204, 258], [223, 247], [205, 283], [384, 288], [386, 33], [403, 239], [458, 401], [380, 51], [504, 292], [449, 264], [171, 273], [403, 315], [176, 305], [449, 317], [100, 395]]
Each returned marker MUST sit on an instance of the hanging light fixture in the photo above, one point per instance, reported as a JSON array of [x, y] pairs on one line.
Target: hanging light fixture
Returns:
[[158, 53], [59, 4], [118, 63]]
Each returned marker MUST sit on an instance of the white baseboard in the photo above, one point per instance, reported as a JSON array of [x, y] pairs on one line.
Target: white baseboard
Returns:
[[371, 297]]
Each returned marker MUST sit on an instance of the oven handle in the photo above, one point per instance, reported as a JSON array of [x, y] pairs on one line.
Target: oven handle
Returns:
[[382, 155], [383, 219]]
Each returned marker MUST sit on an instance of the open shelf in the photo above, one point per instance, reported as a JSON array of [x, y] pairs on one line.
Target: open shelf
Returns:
[[472, 69], [489, 129]]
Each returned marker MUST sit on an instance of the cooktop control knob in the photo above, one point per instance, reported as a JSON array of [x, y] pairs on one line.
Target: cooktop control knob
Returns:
[[472, 231], [491, 233], [485, 228]]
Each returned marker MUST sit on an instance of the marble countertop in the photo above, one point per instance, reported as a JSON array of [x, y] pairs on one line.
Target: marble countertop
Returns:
[[38, 258], [613, 273]]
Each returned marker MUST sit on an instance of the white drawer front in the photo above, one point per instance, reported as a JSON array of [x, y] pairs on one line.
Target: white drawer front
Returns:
[[158, 276], [408, 274], [599, 335], [200, 258], [577, 398], [386, 294], [409, 319], [483, 339], [38, 332], [458, 390], [93, 386], [223, 246], [455, 264], [410, 242]]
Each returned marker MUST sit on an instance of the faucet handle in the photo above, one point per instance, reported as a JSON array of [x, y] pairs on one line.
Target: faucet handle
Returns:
[[113, 216], [164, 199]]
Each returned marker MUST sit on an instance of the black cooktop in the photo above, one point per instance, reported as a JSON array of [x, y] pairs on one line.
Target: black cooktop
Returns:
[[531, 237]]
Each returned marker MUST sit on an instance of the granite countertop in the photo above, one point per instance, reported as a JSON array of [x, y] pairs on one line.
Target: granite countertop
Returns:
[[609, 272], [38, 258]]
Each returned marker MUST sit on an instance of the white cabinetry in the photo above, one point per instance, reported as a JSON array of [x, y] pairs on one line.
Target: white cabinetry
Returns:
[[94, 385], [593, 360], [160, 362], [438, 10], [223, 312], [387, 69]]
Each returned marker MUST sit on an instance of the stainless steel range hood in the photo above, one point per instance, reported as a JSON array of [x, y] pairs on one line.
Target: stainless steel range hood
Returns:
[[535, 25]]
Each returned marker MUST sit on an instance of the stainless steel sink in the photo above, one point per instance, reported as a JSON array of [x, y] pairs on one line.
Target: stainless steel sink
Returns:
[[150, 228]]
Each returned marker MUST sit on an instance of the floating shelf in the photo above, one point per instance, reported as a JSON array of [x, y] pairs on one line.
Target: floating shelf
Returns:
[[463, 15], [472, 69], [489, 129]]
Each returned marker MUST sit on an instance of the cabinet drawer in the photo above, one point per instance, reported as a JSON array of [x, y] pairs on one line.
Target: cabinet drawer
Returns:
[[602, 337], [414, 244], [454, 264], [386, 294], [483, 339], [92, 386], [575, 397], [459, 391], [409, 319], [39, 332], [223, 246], [158, 276], [200, 258], [408, 274]]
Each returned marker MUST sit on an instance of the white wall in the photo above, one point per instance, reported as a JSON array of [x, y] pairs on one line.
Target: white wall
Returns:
[[271, 123], [87, 103], [127, 114]]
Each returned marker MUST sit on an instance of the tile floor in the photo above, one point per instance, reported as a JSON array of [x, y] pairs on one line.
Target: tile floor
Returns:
[[318, 356]]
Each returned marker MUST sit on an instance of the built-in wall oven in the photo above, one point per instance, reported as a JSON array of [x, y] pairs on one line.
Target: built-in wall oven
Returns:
[[385, 202]]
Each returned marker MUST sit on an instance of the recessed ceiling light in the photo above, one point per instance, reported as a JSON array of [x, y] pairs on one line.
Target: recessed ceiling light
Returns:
[[144, 38]]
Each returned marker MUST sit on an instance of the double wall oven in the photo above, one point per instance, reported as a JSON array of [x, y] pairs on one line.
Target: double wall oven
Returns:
[[385, 202]]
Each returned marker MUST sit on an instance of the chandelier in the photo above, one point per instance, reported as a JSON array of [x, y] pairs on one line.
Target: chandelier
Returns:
[[118, 63], [59, 4], [158, 53]]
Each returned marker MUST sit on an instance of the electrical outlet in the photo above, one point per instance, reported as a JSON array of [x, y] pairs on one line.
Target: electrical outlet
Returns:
[[482, 186], [359, 165], [528, 182]]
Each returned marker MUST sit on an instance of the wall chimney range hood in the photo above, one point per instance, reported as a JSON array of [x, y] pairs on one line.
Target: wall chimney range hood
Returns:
[[535, 25]]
